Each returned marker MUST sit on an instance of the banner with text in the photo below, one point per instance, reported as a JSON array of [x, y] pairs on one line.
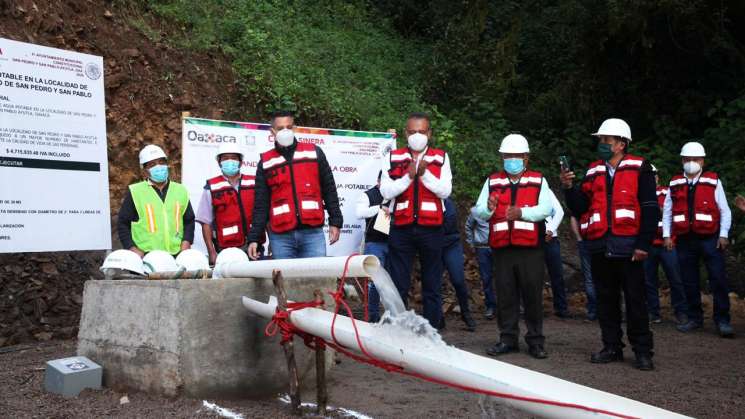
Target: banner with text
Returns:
[[54, 179], [355, 158]]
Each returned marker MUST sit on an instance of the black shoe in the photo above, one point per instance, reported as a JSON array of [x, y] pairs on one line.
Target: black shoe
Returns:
[[537, 352], [442, 323], [501, 349], [563, 314], [607, 355], [688, 327], [643, 362], [489, 313], [725, 330], [681, 318], [469, 321]]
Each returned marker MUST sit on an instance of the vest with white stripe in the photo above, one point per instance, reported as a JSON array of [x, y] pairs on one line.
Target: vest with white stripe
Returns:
[[662, 193], [232, 209], [295, 188], [503, 233], [623, 210], [417, 204], [704, 217]]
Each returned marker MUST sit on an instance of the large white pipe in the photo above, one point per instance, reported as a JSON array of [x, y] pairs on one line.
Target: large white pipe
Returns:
[[359, 266], [431, 357]]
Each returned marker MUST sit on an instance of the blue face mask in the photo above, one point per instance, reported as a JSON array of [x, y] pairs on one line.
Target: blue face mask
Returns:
[[514, 166], [159, 173], [230, 167]]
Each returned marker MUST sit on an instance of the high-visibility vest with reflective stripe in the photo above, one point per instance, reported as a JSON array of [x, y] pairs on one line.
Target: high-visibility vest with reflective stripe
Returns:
[[704, 217], [662, 193], [622, 215], [519, 233], [417, 204], [161, 224], [232, 209], [295, 188]]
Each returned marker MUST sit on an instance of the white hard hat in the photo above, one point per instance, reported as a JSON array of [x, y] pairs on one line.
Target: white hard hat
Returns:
[[159, 261], [693, 149], [192, 260], [151, 152], [231, 254], [514, 143], [229, 148], [614, 127], [122, 259]]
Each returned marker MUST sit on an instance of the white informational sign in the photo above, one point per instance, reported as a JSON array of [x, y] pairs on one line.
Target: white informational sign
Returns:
[[54, 178], [355, 158]]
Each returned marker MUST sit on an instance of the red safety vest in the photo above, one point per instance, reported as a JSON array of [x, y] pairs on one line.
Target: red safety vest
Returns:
[[232, 209], [295, 188], [428, 205], [661, 195], [624, 210], [703, 218], [503, 233]]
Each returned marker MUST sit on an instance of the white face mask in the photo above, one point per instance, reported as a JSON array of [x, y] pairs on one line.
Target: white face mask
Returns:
[[284, 137], [691, 167], [417, 141]]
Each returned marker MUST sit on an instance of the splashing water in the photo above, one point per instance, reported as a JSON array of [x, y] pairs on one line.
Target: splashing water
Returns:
[[388, 293]]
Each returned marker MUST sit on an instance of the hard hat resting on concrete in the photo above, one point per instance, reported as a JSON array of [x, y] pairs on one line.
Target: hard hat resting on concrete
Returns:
[[614, 127], [514, 143], [231, 254], [228, 148], [693, 149], [122, 259], [159, 261], [192, 260], [151, 152]]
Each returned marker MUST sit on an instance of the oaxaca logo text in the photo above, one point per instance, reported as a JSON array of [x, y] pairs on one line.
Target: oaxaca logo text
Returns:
[[210, 138]]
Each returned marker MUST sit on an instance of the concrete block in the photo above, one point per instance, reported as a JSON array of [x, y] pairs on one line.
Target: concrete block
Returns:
[[190, 337], [69, 376]]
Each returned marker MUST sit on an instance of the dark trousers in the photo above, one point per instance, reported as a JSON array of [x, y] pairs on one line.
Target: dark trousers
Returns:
[[690, 250], [483, 255], [611, 276], [404, 244], [454, 261], [669, 260], [518, 272], [585, 260], [552, 257]]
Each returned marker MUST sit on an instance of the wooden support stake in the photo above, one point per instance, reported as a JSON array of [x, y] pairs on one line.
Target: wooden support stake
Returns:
[[288, 347], [321, 393]]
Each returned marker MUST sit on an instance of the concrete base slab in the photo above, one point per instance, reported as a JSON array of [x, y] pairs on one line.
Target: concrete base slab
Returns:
[[190, 337]]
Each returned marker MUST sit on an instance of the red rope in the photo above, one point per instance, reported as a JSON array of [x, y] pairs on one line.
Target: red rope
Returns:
[[280, 321]]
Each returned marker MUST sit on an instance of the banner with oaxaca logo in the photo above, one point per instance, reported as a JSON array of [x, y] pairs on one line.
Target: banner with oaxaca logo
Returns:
[[355, 158]]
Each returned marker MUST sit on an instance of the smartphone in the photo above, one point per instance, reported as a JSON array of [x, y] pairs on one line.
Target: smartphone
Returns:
[[564, 164]]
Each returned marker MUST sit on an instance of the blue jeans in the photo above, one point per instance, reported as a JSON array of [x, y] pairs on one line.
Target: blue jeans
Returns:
[[552, 257], [298, 243], [483, 255], [690, 250], [585, 261], [454, 261], [405, 243], [379, 249], [669, 260]]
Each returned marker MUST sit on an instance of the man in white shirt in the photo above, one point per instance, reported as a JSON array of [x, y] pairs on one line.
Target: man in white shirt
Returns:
[[416, 179], [552, 257], [697, 214]]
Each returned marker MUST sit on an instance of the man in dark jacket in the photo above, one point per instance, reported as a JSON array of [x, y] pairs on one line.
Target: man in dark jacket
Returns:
[[617, 204], [294, 185], [453, 259]]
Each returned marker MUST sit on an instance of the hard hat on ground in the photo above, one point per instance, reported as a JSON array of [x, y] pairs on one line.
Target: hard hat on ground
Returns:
[[192, 260], [159, 261], [231, 254], [151, 152], [122, 259], [614, 127], [693, 149], [514, 143], [229, 148]]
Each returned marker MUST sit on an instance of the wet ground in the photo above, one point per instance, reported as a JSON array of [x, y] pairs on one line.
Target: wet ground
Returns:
[[699, 375]]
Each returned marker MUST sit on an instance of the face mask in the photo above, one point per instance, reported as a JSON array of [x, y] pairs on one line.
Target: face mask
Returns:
[[230, 167], [417, 141], [691, 167], [285, 137], [514, 166], [604, 151], [159, 173]]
